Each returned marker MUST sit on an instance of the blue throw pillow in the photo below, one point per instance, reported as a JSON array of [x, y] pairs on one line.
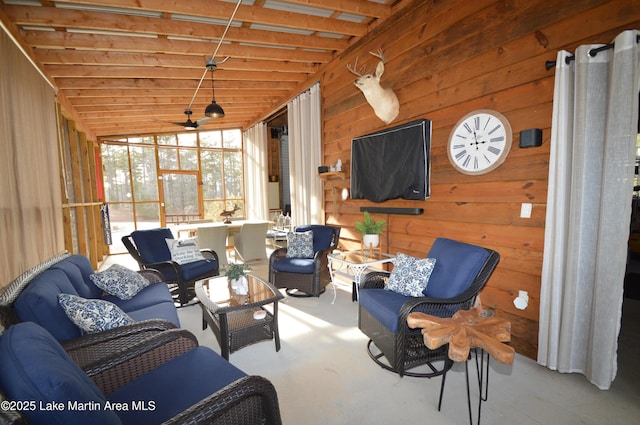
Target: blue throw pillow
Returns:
[[410, 275], [93, 315], [120, 281], [300, 244]]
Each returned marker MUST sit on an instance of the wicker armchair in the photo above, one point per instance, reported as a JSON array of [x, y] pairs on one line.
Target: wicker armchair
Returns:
[[149, 249], [305, 277], [209, 390], [383, 314]]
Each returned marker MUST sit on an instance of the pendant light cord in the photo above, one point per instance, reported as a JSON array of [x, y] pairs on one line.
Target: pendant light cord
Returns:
[[206, 69]]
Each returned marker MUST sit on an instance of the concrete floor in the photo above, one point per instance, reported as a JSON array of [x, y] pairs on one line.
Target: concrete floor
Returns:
[[324, 376]]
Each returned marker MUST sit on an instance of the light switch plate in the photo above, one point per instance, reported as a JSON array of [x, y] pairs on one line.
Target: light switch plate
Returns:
[[525, 210]]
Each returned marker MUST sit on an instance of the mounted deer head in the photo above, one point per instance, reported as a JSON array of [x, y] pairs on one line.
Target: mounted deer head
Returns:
[[383, 101]]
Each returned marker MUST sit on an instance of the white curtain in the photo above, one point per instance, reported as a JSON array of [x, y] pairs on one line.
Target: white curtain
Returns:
[[305, 139], [255, 170], [591, 170]]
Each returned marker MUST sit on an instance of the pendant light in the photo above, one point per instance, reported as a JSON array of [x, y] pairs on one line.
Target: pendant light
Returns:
[[213, 110]]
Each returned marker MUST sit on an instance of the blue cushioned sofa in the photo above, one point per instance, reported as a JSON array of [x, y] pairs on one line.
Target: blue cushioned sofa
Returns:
[[169, 379], [34, 298]]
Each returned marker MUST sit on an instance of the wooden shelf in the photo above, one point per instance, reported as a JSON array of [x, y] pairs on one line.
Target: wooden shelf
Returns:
[[331, 175]]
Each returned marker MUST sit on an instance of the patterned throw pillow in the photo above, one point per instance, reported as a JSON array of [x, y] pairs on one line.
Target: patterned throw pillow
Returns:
[[410, 275], [300, 244], [119, 281], [93, 315], [184, 250]]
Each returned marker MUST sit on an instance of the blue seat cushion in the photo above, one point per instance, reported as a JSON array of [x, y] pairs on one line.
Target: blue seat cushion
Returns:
[[190, 271], [294, 265], [176, 385], [34, 367], [152, 244], [457, 265], [152, 302], [383, 305], [322, 235], [148, 296], [38, 303]]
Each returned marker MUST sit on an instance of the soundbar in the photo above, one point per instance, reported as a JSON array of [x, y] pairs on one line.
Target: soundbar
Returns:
[[384, 210]]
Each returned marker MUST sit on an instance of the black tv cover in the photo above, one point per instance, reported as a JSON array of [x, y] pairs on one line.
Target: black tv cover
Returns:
[[392, 163]]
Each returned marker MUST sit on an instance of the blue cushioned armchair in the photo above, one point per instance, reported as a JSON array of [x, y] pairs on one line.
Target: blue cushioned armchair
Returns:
[[150, 250], [461, 271], [307, 276]]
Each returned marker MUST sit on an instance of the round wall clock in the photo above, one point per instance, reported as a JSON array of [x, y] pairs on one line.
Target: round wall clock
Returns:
[[479, 142]]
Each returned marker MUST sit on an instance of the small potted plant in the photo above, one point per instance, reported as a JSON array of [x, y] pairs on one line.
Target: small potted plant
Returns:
[[236, 275], [370, 230]]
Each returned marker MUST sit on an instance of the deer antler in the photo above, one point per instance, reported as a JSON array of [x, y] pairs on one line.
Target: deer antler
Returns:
[[379, 55], [354, 69]]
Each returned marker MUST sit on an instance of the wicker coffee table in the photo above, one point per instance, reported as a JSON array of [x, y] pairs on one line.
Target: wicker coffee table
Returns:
[[236, 319]]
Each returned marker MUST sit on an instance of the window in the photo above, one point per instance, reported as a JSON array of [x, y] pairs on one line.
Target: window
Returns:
[[141, 173]]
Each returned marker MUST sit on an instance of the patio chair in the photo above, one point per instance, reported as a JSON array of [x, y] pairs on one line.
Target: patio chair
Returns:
[[461, 271], [304, 274], [149, 248]]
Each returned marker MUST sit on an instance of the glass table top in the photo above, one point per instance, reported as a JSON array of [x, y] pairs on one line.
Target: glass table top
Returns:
[[216, 293]]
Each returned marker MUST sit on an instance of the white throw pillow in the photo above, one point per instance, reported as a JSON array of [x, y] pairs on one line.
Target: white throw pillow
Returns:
[[92, 315], [410, 275], [184, 250], [119, 281]]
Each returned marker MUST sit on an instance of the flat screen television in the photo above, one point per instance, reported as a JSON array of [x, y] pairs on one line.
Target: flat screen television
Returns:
[[392, 163]]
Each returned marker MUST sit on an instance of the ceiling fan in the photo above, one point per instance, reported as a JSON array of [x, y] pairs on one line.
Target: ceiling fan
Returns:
[[213, 110], [188, 124]]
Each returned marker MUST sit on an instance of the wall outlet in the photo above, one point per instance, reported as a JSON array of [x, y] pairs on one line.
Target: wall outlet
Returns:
[[522, 301], [525, 210]]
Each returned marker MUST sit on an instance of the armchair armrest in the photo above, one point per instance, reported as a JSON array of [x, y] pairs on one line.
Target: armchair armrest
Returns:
[[320, 259], [90, 348], [278, 254], [169, 263], [251, 399], [377, 279], [209, 254], [152, 275], [122, 367]]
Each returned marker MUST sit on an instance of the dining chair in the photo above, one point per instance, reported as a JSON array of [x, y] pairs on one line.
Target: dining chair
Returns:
[[214, 238], [251, 243]]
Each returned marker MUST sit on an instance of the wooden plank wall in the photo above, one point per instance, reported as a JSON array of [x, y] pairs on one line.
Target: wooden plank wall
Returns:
[[82, 218], [445, 59]]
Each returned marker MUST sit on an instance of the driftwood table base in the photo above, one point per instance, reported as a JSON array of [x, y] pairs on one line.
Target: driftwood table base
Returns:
[[467, 330], [464, 330]]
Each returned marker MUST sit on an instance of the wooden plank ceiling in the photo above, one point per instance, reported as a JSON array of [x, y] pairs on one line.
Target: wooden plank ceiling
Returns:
[[126, 66]]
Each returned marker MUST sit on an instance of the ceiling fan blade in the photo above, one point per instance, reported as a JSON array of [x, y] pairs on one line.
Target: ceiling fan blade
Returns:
[[203, 120], [187, 125]]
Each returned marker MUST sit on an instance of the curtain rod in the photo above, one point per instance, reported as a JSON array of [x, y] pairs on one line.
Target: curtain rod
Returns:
[[593, 52]]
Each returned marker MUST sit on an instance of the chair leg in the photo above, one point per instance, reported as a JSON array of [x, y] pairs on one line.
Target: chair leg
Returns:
[[292, 292], [444, 377]]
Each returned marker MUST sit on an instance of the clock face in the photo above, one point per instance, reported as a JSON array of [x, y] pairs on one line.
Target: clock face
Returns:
[[479, 142]]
